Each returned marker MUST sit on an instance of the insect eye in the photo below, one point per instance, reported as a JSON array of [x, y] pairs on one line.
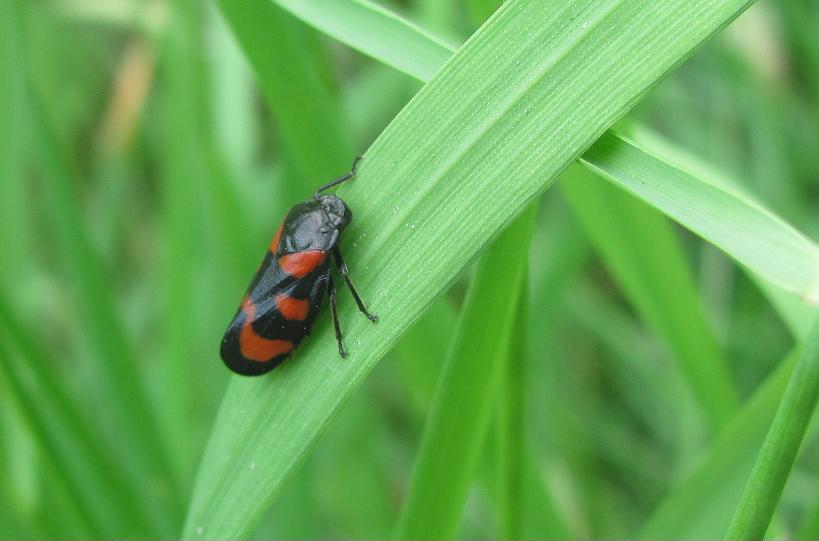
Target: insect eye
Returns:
[[323, 230]]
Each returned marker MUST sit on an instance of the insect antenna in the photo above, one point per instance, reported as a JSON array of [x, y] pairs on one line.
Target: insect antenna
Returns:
[[343, 178]]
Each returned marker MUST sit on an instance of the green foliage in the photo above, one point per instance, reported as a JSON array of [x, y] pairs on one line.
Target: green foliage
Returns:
[[601, 372]]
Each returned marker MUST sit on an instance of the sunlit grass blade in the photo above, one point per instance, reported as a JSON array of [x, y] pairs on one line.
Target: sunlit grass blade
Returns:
[[736, 224], [775, 460], [459, 417], [484, 139], [776, 251], [641, 251], [376, 32]]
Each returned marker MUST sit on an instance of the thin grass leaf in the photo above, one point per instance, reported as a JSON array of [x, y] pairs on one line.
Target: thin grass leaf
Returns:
[[701, 505], [775, 460], [14, 135], [734, 223], [510, 427], [641, 251], [485, 138], [719, 214], [116, 364], [459, 417], [809, 529], [115, 498], [376, 32], [181, 223], [85, 513], [480, 10], [309, 120]]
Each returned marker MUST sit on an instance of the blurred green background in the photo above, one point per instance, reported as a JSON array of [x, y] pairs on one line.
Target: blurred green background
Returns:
[[143, 172]]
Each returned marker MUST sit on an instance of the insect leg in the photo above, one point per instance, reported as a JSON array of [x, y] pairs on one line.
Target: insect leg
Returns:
[[344, 271], [342, 178], [331, 290]]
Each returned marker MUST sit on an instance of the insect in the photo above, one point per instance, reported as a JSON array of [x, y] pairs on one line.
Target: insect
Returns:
[[286, 293]]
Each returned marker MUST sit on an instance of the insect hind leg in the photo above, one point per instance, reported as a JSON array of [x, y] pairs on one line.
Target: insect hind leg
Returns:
[[345, 272], [331, 291]]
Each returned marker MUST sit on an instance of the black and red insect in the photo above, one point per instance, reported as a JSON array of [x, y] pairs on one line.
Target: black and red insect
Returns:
[[286, 294]]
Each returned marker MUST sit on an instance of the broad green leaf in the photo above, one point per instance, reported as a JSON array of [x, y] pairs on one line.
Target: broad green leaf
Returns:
[[530, 91], [459, 417], [775, 460], [733, 222]]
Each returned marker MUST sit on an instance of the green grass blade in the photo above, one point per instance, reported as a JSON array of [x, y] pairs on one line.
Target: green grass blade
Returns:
[[86, 513], [308, 119], [459, 417], [376, 32], [486, 137], [113, 496], [94, 296], [737, 225], [701, 505], [775, 460], [809, 529], [181, 222], [510, 427], [775, 250], [480, 10], [15, 231], [640, 249]]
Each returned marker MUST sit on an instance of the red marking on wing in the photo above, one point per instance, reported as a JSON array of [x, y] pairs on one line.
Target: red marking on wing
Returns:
[[292, 308], [255, 347], [301, 264], [274, 246]]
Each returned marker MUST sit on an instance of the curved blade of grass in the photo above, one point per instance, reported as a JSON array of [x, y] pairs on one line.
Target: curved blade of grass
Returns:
[[181, 223], [308, 119], [775, 460], [775, 250], [809, 528], [641, 251], [376, 32], [700, 506], [116, 365], [113, 497], [15, 231], [516, 105], [702, 503], [510, 423], [734, 223], [459, 417]]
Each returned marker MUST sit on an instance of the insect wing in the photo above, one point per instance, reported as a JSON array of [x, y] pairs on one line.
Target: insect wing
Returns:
[[277, 312]]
